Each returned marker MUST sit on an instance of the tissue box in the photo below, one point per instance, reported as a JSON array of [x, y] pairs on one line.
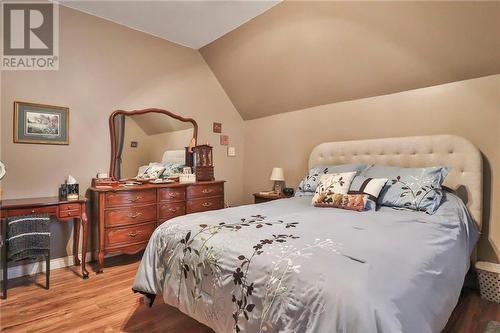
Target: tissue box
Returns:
[[187, 178], [69, 191]]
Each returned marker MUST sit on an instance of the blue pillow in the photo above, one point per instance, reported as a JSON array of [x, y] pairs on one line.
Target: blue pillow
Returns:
[[411, 188], [308, 184]]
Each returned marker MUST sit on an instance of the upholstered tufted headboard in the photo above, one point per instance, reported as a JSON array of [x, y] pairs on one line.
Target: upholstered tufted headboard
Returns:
[[464, 159]]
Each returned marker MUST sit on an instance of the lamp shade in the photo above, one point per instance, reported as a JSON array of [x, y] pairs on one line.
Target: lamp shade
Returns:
[[278, 174]]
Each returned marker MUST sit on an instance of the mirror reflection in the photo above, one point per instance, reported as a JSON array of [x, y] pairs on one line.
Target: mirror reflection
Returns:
[[151, 145]]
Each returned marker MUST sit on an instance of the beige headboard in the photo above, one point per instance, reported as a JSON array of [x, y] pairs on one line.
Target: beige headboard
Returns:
[[464, 159]]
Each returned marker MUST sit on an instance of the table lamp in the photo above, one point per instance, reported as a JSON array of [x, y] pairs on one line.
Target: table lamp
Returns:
[[279, 178]]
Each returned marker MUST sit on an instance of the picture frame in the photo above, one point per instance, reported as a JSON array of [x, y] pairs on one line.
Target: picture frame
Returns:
[[41, 124], [217, 127], [224, 140]]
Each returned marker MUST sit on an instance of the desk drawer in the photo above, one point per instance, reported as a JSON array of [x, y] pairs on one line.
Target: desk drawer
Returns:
[[69, 210], [69, 214], [129, 235], [70, 206], [121, 198], [130, 215], [171, 210], [201, 205], [205, 191], [172, 194], [52, 210]]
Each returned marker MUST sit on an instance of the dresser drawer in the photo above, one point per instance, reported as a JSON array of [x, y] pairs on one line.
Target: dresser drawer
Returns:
[[130, 215], [172, 194], [121, 198], [129, 235], [171, 210], [205, 190], [201, 205]]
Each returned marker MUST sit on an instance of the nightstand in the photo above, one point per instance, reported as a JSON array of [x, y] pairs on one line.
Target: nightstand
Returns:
[[265, 198]]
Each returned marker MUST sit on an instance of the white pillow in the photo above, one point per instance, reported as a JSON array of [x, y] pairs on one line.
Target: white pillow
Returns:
[[334, 183]]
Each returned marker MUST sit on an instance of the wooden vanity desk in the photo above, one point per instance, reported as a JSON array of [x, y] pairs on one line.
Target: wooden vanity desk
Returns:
[[128, 215], [62, 209]]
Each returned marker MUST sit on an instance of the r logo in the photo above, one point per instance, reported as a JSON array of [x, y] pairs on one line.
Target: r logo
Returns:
[[28, 29]]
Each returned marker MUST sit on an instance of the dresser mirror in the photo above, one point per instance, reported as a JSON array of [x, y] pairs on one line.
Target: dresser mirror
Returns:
[[145, 141]]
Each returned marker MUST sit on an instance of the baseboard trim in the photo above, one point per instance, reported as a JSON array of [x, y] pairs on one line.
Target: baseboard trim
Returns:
[[33, 268]]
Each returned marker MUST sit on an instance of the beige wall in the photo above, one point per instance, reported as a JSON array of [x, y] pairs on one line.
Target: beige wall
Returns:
[[468, 108], [103, 67], [301, 54]]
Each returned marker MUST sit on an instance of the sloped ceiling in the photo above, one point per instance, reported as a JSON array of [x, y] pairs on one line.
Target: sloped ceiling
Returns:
[[303, 54], [156, 123], [189, 23]]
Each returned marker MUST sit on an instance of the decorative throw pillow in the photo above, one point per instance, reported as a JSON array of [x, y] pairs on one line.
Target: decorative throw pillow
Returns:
[[369, 186], [357, 202], [308, 184], [411, 188], [172, 169], [152, 172], [333, 183]]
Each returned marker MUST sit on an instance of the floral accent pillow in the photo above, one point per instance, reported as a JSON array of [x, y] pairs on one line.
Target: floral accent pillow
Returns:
[[152, 172], [410, 188], [357, 202], [333, 183], [308, 184], [172, 169]]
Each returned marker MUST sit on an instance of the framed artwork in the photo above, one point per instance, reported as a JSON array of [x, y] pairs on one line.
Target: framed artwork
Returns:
[[38, 123], [217, 128], [224, 139]]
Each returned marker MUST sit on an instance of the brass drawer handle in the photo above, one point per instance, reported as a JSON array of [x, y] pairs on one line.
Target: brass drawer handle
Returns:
[[32, 211], [206, 190], [136, 199], [173, 194], [132, 234], [206, 204], [173, 210], [133, 216]]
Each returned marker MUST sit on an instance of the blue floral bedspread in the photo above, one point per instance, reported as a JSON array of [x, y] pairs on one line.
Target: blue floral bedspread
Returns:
[[285, 266]]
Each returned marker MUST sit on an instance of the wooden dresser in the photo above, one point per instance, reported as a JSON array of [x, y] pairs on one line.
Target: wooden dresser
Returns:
[[127, 216]]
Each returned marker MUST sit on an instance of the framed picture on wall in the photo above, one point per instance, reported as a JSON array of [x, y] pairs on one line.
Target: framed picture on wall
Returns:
[[39, 123]]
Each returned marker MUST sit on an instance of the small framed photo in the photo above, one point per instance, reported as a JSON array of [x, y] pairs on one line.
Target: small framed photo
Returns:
[[224, 140], [43, 124], [217, 128]]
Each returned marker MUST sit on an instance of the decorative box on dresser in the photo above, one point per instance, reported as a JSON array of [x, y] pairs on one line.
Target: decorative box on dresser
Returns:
[[127, 216]]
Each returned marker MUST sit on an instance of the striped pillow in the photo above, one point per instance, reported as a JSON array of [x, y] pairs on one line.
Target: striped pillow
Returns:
[[369, 186]]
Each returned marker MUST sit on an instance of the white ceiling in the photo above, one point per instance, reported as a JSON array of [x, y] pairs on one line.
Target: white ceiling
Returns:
[[189, 23]]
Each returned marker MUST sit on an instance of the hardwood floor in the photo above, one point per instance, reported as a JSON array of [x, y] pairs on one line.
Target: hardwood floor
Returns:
[[105, 303]]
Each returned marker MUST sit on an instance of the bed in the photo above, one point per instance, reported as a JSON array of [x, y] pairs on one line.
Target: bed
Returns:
[[286, 266]]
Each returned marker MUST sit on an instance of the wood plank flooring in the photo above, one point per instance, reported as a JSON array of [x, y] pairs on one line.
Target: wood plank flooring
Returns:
[[105, 303]]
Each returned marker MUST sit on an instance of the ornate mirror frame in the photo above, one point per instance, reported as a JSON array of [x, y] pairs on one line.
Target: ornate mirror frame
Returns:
[[112, 131]]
